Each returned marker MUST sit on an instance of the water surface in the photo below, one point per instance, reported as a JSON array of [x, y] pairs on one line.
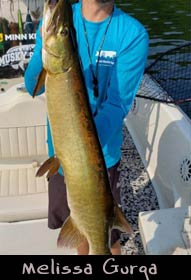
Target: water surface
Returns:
[[167, 22]]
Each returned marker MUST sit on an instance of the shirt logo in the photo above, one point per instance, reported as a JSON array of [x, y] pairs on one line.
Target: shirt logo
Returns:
[[107, 58]]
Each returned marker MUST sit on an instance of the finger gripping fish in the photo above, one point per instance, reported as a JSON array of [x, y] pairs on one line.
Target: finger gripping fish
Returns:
[[93, 211]]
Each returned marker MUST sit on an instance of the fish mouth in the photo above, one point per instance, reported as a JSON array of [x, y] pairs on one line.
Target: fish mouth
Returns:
[[55, 21], [52, 3], [56, 18]]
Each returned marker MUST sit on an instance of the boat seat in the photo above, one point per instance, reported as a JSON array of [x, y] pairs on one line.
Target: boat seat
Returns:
[[22, 150], [22, 195]]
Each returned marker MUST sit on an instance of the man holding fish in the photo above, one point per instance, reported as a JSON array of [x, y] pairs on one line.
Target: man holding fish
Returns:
[[112, 50]]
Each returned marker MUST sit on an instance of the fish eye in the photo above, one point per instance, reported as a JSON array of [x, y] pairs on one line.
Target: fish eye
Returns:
[[64, 31]]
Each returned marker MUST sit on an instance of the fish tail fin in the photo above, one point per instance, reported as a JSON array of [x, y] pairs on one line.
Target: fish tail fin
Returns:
[[120, 221], [51, 166], [40, 82], [69, 235]]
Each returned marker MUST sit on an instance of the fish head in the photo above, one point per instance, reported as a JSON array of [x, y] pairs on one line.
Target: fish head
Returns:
[[57, 36]]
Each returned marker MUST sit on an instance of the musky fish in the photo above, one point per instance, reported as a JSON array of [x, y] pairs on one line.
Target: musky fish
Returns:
[[75, 140]]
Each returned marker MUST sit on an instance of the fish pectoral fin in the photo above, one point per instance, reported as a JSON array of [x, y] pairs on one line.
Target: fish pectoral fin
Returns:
[[40, 82], [69, 235], [51, 166], [120, 221]]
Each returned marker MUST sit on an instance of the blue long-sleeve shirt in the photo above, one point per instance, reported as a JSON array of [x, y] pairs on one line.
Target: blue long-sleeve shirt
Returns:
[[121, 65]]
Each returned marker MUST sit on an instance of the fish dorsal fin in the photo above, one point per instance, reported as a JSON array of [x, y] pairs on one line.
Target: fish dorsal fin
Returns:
[[40, 82], [120, 221], [69, 235], [51, 166]]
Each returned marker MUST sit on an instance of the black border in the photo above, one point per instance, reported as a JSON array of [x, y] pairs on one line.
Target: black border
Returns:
[[167, 267]]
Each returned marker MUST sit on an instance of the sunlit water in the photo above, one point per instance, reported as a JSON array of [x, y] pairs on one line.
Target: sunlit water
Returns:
[[169, 26], [167, 22]]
